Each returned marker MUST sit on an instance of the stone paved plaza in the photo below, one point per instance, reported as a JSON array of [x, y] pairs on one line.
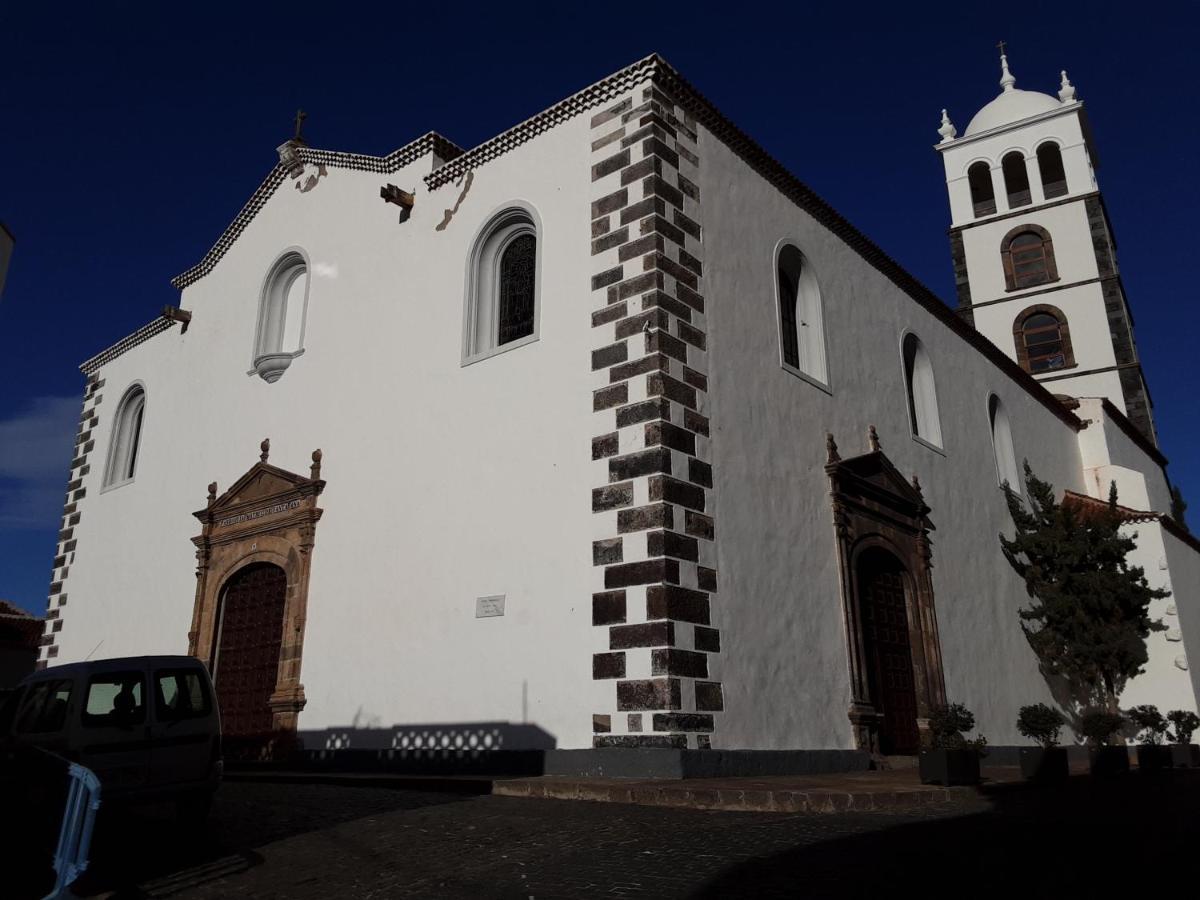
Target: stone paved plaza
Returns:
[[324, 841]]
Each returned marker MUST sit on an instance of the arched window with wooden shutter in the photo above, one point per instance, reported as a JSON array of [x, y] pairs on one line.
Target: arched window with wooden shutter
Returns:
[[1043, 339], [1027, 253]]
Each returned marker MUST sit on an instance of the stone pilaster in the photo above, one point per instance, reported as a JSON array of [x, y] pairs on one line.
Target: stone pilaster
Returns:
[[653, 552], [64, 555]]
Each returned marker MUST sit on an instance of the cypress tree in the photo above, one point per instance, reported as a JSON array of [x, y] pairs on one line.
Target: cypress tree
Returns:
[[1089, 618]]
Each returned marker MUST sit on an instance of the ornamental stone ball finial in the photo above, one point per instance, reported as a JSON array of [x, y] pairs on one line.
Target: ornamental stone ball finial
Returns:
[[1007, 81], [1066, 92], [873, 439], [265, 447], [916, 483], [947, 131], [831, 449], [315, 469], [212, 493]]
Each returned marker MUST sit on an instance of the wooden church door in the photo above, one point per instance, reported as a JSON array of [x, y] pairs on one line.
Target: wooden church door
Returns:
[[247, 659], [889, 652]]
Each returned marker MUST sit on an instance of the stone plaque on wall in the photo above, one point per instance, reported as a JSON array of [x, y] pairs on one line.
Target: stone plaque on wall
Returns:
[[486, 607]]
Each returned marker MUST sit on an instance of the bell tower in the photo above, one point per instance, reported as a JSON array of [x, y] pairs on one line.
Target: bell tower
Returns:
[[1034, 253]]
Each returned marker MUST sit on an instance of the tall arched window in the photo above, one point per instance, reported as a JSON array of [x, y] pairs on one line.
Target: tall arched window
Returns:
[[1016, 179], [983, 192], [126, 437], [281, 314], [922, 393], [1027, 253], [502, 286], [1050, 168], [1043, 339], [1002, 445], [801, 324]]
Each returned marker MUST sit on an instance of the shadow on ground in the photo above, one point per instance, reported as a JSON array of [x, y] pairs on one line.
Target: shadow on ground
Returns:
[[1085, 837], [147, 852]]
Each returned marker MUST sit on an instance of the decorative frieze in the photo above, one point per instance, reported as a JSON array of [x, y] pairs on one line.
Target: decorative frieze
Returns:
[[652, 457]]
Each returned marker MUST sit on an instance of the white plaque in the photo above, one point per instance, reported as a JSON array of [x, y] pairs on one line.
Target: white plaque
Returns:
[[485, 607]]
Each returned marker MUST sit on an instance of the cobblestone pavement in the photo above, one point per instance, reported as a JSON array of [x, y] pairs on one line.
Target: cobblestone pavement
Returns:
[[321, 841]]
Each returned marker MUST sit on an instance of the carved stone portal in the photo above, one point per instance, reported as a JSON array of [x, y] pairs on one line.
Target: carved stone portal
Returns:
[[270, 516], [877, 514]]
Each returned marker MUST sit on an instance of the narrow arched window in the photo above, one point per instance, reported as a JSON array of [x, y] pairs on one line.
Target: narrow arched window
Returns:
[[1016, 179], [801, 319], [1027, 253], [1043, 340], [502, 286], [1002, 445], [126, 438], [1050, 168], [922, 393], [983, 192], [281, 315], [517, 267]]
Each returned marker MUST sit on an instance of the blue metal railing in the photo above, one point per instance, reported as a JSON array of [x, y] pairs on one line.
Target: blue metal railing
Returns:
[[75, 835]]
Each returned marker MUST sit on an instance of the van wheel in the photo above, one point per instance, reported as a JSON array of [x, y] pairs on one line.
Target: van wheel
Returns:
[[193, 809]]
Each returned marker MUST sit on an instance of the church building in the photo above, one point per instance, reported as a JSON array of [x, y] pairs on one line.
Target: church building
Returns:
[[609, 432]]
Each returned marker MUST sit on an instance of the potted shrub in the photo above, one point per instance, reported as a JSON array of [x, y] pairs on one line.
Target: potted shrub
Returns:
[[1099, 726], [1184, 754], [953, 759], [1047, 762], [1151, 727]]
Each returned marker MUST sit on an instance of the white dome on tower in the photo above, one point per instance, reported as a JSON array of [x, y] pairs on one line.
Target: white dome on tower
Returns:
[[1011, 106]]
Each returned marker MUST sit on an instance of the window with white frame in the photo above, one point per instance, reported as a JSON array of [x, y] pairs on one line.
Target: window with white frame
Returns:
[[922, 393], [1002, 445], [126, 438], [502, 286], [801, 324], [282, 309]]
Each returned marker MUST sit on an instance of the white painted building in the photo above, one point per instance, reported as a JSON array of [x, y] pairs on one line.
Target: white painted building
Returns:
[[620, 427]]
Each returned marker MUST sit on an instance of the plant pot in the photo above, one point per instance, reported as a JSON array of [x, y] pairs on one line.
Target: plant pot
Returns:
[[949, 767], [1185, 756], [1153, 758], [1045, 763], [1108, 761]]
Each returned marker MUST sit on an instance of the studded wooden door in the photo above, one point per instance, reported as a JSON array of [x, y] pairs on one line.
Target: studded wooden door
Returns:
[[889, 653], [247, 660]]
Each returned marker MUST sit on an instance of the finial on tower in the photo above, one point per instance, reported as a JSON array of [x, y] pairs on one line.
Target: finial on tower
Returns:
[[265, 447], [947, 131], [1066, 93], [212, 493], [314, 471], [1007, 81], [872, 439]]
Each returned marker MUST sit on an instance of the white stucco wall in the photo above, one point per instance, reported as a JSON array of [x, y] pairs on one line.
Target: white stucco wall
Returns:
[[445, 482], [779, 608], [1162, 683], [1109, 454], [1183, 561]]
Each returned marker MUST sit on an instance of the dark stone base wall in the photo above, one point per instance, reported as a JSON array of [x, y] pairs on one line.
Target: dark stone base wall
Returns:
[[64, 556], [653, 546]]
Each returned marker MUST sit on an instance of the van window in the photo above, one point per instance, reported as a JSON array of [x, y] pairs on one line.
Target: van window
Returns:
[[46, 709], [180, 694], [115, 698]]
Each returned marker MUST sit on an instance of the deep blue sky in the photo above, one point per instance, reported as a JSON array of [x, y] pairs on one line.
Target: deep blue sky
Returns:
[[130, 135]]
